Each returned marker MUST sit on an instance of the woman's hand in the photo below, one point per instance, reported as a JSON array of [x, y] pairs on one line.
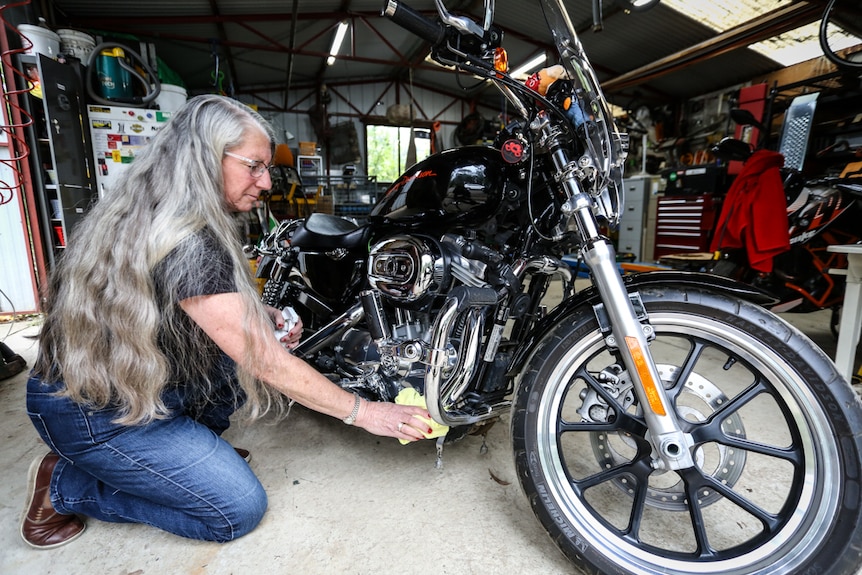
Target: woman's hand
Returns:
[[274, 315], [290, 339], [393, 420]]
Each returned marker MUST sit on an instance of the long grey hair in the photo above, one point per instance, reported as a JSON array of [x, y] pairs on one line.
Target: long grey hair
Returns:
[[108, 330]]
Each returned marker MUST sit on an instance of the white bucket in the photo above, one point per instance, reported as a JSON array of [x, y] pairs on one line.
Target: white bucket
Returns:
[[44, 41], [171, 98], [76, 44]]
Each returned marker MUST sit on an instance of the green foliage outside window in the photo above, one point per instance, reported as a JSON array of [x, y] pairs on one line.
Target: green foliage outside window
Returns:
[[387, 147]]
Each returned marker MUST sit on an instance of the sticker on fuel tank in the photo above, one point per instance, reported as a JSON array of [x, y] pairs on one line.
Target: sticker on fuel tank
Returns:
[[512, 151]]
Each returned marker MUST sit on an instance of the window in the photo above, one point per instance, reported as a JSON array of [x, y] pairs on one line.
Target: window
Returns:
[[387, 148]]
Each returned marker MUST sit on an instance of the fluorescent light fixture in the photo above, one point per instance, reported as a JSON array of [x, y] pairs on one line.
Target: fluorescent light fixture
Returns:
[[336, 42], [534, 62]]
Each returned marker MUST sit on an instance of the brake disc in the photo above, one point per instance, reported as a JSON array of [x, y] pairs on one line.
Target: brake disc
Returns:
[[698, 400]]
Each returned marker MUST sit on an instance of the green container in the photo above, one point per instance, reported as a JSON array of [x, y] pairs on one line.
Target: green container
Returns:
[[115, 81]]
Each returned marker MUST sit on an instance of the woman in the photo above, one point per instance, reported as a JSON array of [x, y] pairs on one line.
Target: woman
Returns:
[[154, 336]]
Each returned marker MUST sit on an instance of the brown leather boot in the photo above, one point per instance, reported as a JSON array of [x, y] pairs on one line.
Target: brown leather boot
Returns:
[[41, 526]]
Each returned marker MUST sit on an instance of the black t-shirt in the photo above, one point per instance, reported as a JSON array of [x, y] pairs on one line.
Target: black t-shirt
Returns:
[[204, 269]]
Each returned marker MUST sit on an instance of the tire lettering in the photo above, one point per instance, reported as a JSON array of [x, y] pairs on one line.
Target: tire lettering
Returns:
[[558, 519], [533, 402]]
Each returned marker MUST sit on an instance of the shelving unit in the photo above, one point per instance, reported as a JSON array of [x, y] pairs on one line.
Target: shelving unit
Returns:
[[352, 196], [60, 159]]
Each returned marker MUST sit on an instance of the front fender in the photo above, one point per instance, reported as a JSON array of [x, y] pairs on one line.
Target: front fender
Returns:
[[633, 282]]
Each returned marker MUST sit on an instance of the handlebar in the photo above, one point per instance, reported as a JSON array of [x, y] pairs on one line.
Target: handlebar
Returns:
[[412, 21]]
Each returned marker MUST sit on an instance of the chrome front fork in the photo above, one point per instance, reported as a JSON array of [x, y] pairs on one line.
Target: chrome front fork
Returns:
[[672, 448]]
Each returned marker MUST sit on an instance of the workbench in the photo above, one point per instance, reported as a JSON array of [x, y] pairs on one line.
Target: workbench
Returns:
[[851, 312]]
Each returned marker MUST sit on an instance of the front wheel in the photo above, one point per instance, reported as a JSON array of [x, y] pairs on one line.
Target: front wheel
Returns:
[[776, 483]]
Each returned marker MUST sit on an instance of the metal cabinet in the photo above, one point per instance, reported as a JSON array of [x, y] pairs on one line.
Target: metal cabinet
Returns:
[[684, 224], [60, 158], [634, 231]]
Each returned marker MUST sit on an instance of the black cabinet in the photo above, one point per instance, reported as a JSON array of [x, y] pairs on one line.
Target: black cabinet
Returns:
[[60, 151]]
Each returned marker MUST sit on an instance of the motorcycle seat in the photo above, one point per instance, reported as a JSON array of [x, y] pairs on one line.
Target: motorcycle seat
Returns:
[[328, 232]]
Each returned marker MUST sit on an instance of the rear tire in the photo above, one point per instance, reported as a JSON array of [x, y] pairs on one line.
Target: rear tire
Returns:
[[776, 480]]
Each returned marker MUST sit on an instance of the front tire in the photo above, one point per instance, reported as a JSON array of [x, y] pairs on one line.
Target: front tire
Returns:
[[776, 483]]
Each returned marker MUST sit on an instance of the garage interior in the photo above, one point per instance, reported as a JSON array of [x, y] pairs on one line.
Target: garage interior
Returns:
[[332, 77], [672, 76]]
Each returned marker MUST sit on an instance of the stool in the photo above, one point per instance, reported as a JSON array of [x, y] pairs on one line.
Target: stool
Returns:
[[851, 312]]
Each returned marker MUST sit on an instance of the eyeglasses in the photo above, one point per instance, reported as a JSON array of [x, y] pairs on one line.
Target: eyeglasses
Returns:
[[257, 167]]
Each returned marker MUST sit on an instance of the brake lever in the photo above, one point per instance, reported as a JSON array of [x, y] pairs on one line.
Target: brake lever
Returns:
[[460, 23]]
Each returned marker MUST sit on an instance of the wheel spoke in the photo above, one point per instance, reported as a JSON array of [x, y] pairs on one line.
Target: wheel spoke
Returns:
[[638, 506], [711, 430], [624, 420], [639, 468], [698, 480], [792, 454], [687, 367], [735, 404], [698, 525]]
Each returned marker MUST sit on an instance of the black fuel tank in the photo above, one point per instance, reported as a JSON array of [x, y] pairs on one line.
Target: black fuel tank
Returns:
[[461, 186]]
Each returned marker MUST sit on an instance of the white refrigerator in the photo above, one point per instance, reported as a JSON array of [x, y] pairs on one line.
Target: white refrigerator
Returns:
[[117, 133]]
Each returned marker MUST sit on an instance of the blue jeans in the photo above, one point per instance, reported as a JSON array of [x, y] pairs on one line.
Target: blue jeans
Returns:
[[176, 474]]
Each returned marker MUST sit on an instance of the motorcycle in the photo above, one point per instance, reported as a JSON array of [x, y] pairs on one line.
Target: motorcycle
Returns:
[[661, 423], [820, 212]]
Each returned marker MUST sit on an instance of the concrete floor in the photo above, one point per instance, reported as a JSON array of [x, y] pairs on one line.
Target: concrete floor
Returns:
[[340, 501]]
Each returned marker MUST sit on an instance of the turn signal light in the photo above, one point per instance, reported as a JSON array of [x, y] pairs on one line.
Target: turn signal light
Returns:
[[501, 60]]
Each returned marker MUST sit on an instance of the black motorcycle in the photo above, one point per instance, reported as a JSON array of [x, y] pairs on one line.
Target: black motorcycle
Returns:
[[661, 423]]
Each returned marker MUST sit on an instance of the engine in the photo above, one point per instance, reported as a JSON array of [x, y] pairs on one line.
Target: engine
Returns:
[[408, 275], [411, 271]]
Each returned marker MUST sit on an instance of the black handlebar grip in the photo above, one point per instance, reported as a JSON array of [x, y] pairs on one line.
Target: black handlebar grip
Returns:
[[412, 21]]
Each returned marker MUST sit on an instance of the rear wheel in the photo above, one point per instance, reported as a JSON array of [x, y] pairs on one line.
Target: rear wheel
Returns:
[[775, 485]]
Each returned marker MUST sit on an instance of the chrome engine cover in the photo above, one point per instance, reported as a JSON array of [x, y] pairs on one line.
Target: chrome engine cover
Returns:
[[407, 269]]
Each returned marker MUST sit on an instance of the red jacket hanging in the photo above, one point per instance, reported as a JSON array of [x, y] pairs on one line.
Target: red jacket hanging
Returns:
[[754, 214]]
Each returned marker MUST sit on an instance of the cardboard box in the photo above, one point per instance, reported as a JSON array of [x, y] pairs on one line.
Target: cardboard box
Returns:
[[308, 148], [303, 207], [325, 205]]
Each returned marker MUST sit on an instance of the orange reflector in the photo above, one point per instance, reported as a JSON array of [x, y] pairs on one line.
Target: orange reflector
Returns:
[[501, 60], [652, 393], [567, 103]]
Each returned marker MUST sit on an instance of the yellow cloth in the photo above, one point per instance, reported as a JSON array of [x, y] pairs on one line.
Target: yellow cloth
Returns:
[[409, 396]]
